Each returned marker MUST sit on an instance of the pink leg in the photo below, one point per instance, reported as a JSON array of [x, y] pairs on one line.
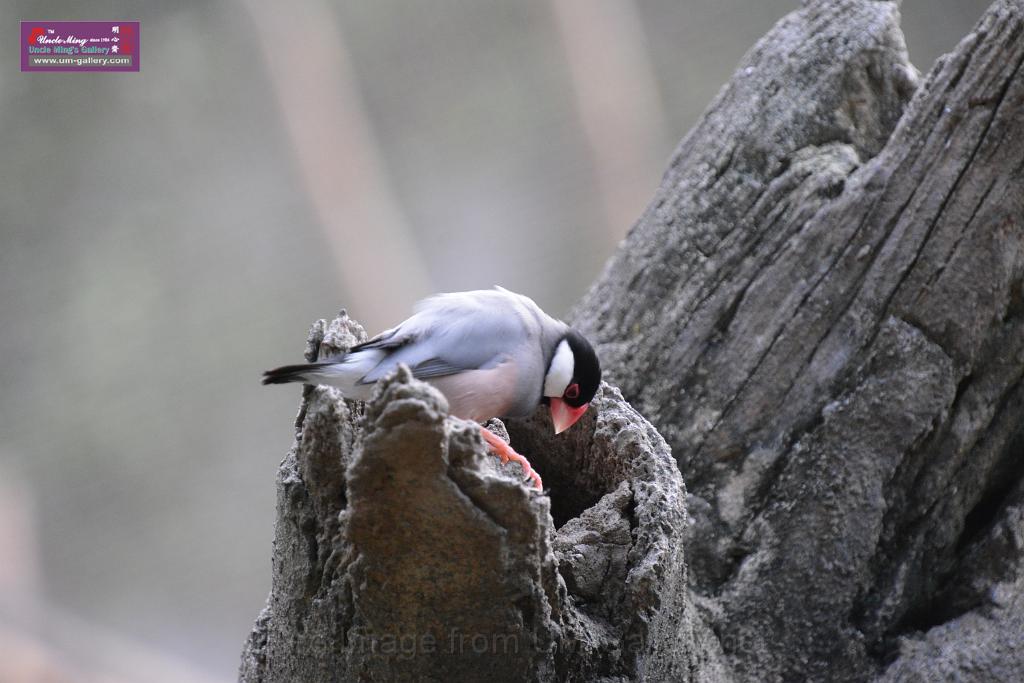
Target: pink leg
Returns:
[[506, 453]]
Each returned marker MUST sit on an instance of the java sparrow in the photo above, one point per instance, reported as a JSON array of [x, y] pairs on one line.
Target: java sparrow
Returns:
[[492, 353]]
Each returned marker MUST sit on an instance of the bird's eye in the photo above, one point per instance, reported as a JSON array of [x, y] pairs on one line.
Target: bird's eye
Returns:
[[572, 391]]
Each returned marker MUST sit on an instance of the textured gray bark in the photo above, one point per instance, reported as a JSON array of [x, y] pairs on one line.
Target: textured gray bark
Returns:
[[822, 312]]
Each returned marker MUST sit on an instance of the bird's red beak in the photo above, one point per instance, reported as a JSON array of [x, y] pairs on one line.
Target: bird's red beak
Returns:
[[564, 416]]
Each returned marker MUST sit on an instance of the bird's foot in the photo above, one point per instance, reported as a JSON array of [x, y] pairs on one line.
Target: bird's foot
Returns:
[[506, 453]]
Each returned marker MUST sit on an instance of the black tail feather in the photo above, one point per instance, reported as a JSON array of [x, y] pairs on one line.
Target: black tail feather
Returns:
[[289, 373]]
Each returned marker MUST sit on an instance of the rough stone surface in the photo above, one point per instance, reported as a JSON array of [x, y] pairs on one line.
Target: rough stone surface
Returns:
[[404, 551], [986, 642], [822, 313]]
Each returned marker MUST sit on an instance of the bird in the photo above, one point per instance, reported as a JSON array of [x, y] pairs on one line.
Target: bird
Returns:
[[490, 352]]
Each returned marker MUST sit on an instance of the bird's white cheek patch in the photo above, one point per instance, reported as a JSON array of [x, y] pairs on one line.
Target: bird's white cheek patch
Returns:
[[560, 372]]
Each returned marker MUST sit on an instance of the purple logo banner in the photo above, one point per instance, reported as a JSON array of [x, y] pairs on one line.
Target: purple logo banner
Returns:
[[79, 46]]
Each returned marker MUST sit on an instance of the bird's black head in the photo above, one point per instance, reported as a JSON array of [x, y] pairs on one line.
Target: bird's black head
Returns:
[[571, 381], [586, 374]]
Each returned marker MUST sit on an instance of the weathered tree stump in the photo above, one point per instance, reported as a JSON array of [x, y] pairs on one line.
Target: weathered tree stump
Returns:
[[404, 551], [822, 311]]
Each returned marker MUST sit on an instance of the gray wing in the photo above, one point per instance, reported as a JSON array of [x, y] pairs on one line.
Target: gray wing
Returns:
[[450, 333]]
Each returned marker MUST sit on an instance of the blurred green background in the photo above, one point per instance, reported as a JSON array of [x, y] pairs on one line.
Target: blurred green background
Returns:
[[167, 235]]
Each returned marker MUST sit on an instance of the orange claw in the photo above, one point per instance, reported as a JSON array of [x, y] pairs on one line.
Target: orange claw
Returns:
[[506, 453]]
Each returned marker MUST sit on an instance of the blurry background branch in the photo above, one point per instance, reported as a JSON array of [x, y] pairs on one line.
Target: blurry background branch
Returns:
[[335, 149], [619, 107], [41, 642]]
